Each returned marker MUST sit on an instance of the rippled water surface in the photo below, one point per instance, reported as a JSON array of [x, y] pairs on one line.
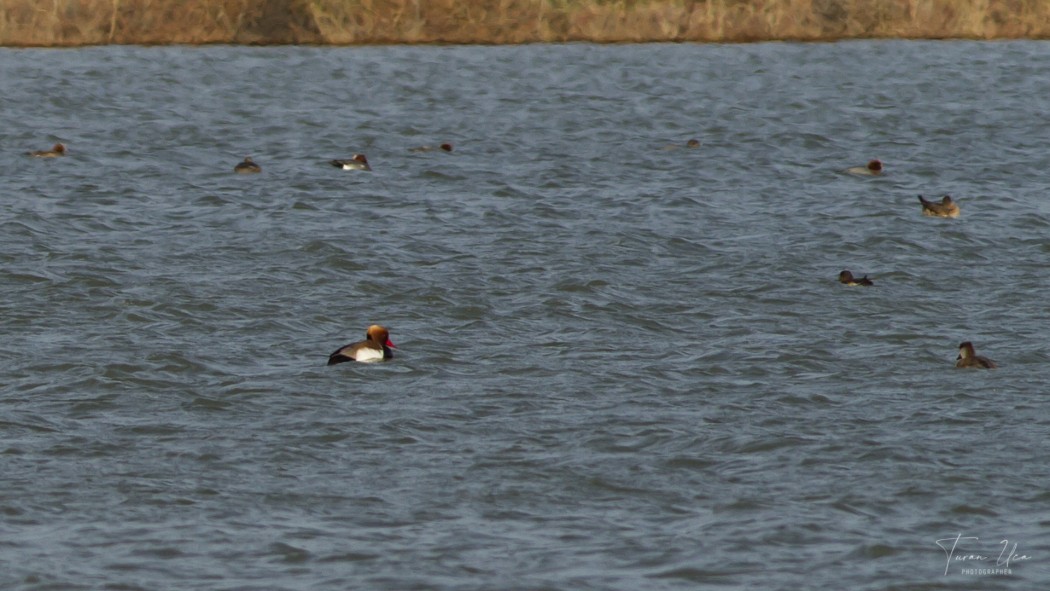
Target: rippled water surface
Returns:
[[622, 364]]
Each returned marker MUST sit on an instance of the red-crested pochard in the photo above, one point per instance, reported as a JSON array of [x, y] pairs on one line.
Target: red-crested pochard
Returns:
[[446, 147], [968, 358], [945, 209], [375, 347], [247, 166], [54, 152], [874, 167], [848, 278], [356, 162]]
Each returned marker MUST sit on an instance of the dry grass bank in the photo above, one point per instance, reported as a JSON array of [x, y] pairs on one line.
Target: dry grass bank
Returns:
[[342, 22], [94, 22]]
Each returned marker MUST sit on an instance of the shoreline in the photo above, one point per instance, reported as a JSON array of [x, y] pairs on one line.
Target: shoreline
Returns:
[[483, 44], [78, 23]]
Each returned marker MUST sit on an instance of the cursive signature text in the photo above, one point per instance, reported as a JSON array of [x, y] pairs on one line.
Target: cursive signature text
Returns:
[[954, 552]]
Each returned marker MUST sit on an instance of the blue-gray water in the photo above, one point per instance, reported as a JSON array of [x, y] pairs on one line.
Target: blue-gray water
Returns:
[[619, 366]]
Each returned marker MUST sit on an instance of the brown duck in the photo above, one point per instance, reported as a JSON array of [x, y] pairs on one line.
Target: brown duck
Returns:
[[873, 168], [54, 152], [847, 278], [945, 209], [968, 358]]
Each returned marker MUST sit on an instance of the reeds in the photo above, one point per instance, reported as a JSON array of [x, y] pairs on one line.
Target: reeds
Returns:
[[344, 22], [93, 22]]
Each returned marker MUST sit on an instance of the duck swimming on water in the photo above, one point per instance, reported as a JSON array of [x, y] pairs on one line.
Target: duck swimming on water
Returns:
[[446, 147], [375, 347], [945, 209], [968, 358], [847, 278], [873, 168], [247, 166], [355, 162], [56, 151]]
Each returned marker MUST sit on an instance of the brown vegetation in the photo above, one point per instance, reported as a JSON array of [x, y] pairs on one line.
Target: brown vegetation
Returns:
[[345, 22]]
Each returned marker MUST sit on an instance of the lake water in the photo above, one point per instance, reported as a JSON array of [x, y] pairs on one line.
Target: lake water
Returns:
[[622, 364]]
